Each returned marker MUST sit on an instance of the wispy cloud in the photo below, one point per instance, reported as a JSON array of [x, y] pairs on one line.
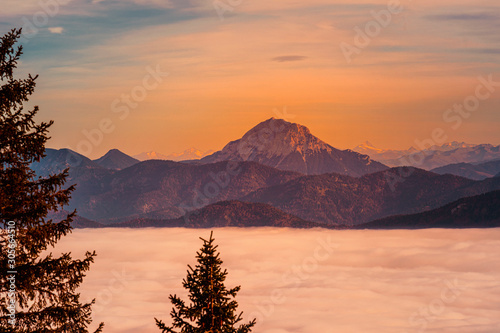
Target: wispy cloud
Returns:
[[463, 17], [288, 58]]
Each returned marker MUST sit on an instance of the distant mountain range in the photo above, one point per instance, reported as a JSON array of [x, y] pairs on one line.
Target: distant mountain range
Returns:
[[433, 157], [167, 190], [379, 154], [150, 155], [277, 174], [292, 147], [188, 154]]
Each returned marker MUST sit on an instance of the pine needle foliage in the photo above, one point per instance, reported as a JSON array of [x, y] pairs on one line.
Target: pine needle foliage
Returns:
[[44, 285]]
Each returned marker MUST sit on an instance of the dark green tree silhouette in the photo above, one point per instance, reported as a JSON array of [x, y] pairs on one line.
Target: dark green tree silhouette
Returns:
[[212, 308], [40, 285]]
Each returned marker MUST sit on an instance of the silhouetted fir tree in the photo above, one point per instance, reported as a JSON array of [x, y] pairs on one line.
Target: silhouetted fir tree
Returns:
[[212, 308], [45, 285]]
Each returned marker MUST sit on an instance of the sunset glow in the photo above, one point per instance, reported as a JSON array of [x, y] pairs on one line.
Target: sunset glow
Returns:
[[228, 71]]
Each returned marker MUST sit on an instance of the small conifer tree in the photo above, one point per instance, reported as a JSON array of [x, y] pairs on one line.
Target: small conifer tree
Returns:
[[212, 308]]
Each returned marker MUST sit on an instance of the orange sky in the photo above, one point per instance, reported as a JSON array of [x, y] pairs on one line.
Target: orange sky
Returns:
[[225, 76]]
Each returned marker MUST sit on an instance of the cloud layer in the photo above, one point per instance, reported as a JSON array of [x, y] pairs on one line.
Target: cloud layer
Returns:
[[304, 281]]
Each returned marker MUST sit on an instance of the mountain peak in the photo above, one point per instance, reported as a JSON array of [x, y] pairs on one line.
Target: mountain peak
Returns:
[[56, 160], [292, 147], [112, 152], [278, 137], [367, 148], [116, 159]]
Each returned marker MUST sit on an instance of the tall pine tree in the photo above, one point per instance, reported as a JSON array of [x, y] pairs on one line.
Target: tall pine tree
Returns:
[[212, 308], [42, 286]]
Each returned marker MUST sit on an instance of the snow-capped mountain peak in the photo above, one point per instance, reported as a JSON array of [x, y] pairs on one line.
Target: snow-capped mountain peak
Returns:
[[367, 148], [150, 155], [188, 154]]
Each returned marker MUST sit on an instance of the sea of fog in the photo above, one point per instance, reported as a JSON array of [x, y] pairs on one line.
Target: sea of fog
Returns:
[[308, 281]]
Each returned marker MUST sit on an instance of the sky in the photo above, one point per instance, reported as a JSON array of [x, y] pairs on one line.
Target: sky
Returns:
[[302, 281], [141, 75]]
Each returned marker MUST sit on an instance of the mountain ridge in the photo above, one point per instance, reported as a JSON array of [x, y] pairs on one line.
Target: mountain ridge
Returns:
[[165, 189], [344, 200], [472, 171], [230, 213], [481, 211]]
